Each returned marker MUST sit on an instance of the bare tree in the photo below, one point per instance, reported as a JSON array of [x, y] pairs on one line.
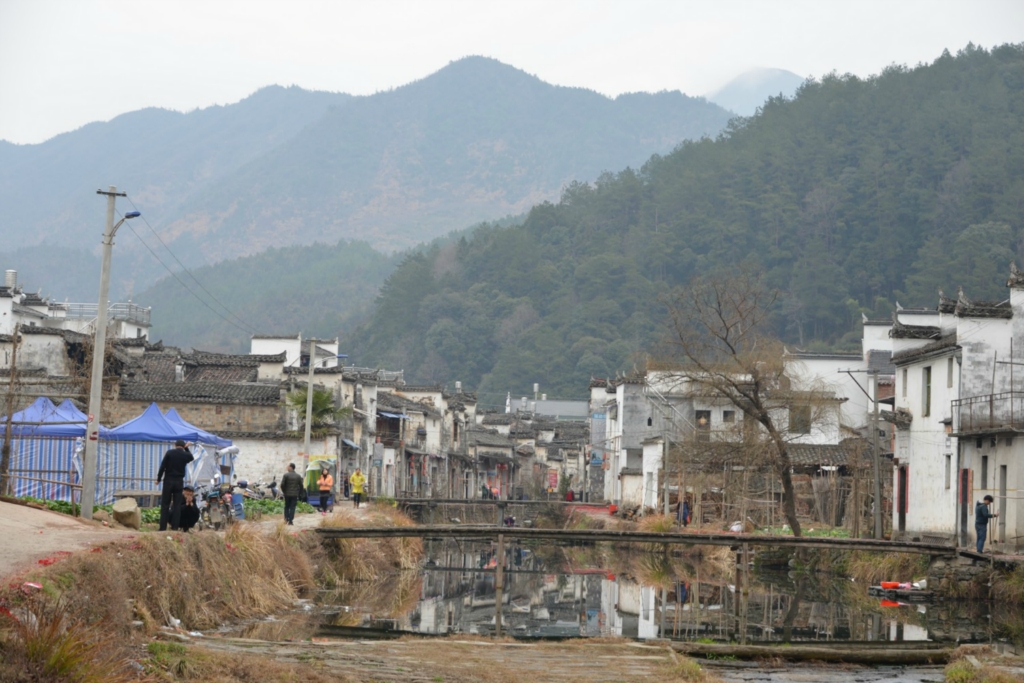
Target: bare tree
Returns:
[[721, 347]]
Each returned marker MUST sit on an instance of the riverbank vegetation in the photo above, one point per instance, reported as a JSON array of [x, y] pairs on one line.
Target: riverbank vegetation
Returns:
[[57, 621]]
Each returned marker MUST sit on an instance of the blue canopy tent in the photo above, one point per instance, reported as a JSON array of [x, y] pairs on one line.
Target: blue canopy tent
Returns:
[[130, 454], [204, 436], [44, 440]]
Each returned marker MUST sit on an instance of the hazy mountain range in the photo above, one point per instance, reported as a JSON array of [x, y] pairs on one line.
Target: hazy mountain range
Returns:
[[748, 91], [475, 141]]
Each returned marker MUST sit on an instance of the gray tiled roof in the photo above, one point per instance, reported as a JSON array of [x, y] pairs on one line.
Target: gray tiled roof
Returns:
[[947, 342], [243, 359], [221, 373], [477, 437], [248, 393], [811, 455], [901, 331], [395, 403]]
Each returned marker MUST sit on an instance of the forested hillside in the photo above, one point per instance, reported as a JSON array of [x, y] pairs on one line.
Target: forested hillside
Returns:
[[321, 290], [855, 194]]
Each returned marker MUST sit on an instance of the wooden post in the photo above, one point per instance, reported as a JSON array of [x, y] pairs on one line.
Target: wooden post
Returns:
[[6, 453], [499, 577]]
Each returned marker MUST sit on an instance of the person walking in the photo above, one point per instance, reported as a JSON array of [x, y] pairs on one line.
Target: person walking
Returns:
[[291, 489], [982, 514], [358, 482], [325, 483], [172, 473]]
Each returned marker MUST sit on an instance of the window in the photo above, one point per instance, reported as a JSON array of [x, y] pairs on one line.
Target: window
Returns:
[[984, 472], [903, 384], [949, 373], [949, 463], [729, 416], [650, 421], [926, 391], [800, 420], [979, 443], [702, 420]]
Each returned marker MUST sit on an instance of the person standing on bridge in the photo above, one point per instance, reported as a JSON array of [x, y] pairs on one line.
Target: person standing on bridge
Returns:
[[982, 514], [358, 482]]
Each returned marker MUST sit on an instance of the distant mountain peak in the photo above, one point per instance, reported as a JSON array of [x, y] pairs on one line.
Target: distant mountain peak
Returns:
[[749, 90]]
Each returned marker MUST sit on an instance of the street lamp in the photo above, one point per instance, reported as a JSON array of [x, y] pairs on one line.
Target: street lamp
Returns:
[[92, 429]]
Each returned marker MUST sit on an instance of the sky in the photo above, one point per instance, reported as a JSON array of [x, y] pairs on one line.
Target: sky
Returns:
[[65, 63]]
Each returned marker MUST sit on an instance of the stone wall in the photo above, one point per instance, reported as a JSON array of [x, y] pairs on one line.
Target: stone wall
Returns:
[[959, 577], [209, 416]]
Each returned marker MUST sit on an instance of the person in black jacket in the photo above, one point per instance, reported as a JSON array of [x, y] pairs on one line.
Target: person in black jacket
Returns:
[[172, 472], [292, 487], [189, 509]]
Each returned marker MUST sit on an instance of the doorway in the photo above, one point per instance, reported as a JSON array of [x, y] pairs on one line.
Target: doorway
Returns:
[[901, 500], [964, 486], [1002, 503]]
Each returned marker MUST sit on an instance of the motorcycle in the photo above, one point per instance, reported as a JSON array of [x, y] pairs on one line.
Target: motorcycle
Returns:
[[269, 490], [216, 510]]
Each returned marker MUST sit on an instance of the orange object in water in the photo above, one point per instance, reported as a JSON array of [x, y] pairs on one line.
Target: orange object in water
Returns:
[[889, 603], [613, 508], [890, 584]]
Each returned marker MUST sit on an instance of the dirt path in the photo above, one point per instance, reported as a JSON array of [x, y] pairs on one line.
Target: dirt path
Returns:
[[30, 535], [464, 661], [311, 520]]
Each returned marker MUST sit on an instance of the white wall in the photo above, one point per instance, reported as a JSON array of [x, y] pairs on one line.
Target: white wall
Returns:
[[265, 459], [654, 461], [268, 347], [931, 506]]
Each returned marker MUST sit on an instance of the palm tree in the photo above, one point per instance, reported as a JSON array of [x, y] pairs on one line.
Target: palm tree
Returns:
[[324, 412]]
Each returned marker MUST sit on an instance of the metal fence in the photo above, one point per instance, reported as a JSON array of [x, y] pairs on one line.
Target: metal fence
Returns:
[[120, 311], [989, 412]]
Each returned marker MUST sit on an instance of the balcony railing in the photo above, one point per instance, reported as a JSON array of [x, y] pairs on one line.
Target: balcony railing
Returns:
[[989, 412], [121, 311]]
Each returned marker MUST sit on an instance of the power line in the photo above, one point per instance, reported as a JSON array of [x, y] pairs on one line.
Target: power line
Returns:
[[155, 234], [187, 288]]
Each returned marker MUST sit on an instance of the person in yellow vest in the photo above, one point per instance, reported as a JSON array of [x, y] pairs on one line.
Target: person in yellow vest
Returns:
[[358, 481], [325, 483]]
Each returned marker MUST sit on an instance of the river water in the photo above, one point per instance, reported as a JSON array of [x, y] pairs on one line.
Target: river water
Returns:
[[556, 592], [551, 593]]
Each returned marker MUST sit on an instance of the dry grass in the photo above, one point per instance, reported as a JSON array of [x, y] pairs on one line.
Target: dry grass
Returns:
[[202, 580], [1009, 587], [580, 520], [962, 671], [661, 524], [370, 559], [871, 568], [43, 642]]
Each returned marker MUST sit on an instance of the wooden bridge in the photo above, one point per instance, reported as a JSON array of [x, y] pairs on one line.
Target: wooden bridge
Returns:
[[729, 540]]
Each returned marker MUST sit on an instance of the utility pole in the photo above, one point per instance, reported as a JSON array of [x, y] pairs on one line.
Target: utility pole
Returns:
[[92, 429], [309, 405], [5, 455], [876, 455]]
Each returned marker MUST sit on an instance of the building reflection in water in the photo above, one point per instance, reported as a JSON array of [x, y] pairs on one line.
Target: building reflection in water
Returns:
[[540, 600]]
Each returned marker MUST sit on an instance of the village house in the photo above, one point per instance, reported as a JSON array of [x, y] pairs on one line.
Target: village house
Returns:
[[28, 309], [664, 439], [957, 418]]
